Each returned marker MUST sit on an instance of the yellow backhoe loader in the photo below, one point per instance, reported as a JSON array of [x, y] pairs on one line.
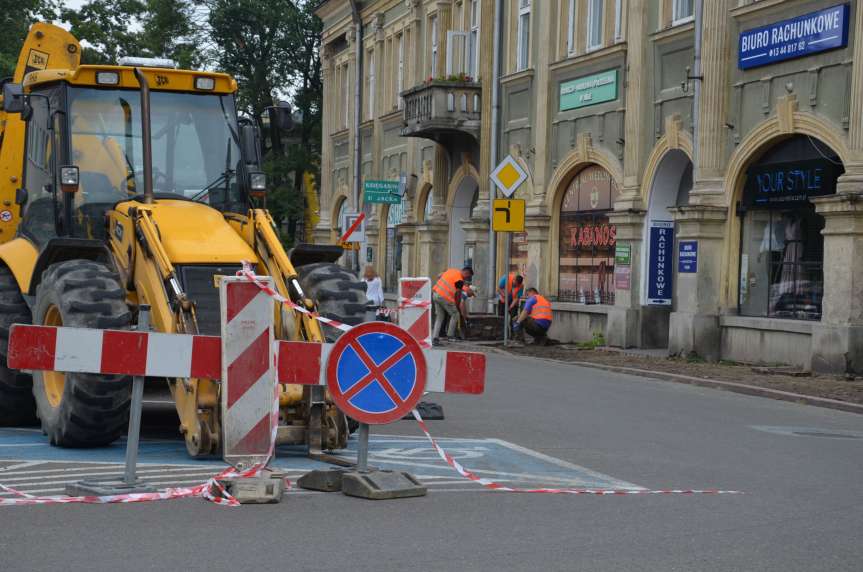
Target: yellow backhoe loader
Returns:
[[138, 184]]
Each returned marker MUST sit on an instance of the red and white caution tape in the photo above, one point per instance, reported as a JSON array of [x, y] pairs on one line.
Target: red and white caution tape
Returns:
[[489, 484], [247, 273]]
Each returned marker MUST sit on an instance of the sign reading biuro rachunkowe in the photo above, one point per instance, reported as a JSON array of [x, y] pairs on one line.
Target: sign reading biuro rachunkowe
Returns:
[[589, 90], [794, 38]]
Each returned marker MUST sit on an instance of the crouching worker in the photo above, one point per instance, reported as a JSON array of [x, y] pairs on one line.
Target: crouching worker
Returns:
[[535, 319], [445, 292]]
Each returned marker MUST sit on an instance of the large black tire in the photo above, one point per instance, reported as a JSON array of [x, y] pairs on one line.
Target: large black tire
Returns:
[[16, 389], [93, 410], [339, 295]]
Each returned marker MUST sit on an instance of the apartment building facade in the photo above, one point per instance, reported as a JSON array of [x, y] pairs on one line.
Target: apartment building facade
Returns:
[[711, 211]]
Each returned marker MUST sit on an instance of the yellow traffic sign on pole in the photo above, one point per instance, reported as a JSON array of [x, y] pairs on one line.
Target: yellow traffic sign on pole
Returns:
[[508, 176], [508, 215]]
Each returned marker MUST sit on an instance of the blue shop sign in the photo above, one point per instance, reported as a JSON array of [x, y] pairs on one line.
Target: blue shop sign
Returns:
[[660, 264], [687, 257], [784, 184], [794, 38]]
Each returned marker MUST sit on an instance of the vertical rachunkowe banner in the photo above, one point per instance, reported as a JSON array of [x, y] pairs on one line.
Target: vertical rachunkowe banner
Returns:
[[415, 308], [248, 373], [660, 265]]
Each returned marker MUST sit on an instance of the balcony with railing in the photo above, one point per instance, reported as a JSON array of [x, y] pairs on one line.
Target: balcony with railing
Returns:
[[442, 110]]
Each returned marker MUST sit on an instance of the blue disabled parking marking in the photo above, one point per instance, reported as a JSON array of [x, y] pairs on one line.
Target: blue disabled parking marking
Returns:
[[489, 458]]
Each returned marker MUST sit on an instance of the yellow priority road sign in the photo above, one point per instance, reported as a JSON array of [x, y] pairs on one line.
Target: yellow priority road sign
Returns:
[[508, 215], [508, 176]]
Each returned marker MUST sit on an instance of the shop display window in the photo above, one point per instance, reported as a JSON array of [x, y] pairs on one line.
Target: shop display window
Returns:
[[782, 248]]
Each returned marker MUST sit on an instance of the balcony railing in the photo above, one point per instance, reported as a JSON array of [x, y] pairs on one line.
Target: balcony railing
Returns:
[[442, 109]]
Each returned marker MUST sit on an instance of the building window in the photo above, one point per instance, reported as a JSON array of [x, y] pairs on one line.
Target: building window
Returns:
[[429, 206], [434, 46], [587, 238], [782, 250], [571, 27], [682, 11], [618, 20], [518, 253], [473, 41], [395, 216], [371, 86], [400, 74], [594, 24], [523, 41], [346, 94]]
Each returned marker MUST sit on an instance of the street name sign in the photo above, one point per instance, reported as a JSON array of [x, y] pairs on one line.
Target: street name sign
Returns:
[[382, 192]]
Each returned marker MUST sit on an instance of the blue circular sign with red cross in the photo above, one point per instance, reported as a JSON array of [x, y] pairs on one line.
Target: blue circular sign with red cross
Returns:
[[376, 373]]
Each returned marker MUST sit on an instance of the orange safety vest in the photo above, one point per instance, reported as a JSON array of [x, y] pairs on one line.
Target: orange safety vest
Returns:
[[445, 286], [541, 309], [510, 288]]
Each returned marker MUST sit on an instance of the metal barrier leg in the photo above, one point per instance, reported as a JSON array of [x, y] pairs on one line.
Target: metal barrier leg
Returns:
[[129, 483]]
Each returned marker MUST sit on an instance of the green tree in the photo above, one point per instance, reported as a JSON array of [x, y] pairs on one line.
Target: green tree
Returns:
[[17, 17], [271, 48], [111, 29]]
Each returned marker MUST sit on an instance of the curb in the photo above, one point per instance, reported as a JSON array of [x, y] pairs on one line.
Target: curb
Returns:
[[742, 388]]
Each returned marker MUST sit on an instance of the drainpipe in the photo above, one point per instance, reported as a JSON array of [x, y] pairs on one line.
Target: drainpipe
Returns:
[[358, 106], [495, 143], [696, 76]]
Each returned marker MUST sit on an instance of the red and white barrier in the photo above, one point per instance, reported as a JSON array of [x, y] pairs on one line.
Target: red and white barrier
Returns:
[[305, 363], [117, 352], [248, 375], [415, 309]]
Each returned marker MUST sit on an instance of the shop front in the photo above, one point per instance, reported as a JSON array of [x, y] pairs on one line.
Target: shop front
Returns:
[[586, 240], [780, 287]]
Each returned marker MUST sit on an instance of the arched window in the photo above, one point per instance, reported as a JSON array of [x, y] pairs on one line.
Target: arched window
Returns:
[[782, 249], [395, 215], [429, 203], [587, 239], [340, 218]]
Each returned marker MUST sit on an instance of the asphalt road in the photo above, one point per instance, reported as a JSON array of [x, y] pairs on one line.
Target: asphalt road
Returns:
[[799, 466]]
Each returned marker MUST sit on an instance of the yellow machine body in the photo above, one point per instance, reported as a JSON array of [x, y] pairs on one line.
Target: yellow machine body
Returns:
[[151, 244]]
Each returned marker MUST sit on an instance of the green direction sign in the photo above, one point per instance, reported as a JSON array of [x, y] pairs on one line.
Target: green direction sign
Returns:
[[623, 254], [588, 90], [384, 192]]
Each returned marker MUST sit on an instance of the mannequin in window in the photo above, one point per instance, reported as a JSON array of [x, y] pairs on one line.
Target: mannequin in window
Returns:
[[790, 269]]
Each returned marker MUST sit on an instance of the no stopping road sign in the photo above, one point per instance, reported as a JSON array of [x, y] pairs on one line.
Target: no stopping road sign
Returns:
[[376, 373]]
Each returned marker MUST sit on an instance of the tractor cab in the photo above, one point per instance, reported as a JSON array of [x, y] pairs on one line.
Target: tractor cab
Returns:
[[86, 150]]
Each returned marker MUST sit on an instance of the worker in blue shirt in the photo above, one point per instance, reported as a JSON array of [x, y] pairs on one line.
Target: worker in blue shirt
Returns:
[[535, 319]]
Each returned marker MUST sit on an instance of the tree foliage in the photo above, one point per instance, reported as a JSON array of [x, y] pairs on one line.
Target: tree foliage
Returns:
[[272, 48], [111, 29], [17, 17]]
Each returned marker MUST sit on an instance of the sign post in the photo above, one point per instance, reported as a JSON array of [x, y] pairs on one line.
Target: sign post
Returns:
[[376, 373], [509, 215]]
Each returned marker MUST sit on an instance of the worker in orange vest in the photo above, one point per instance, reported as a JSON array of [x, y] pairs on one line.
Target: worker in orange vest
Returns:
[[536, 318], [514, 284], [445, 295]]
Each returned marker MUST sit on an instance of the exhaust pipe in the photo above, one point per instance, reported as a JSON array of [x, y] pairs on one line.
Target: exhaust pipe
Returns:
[[147, 144]]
